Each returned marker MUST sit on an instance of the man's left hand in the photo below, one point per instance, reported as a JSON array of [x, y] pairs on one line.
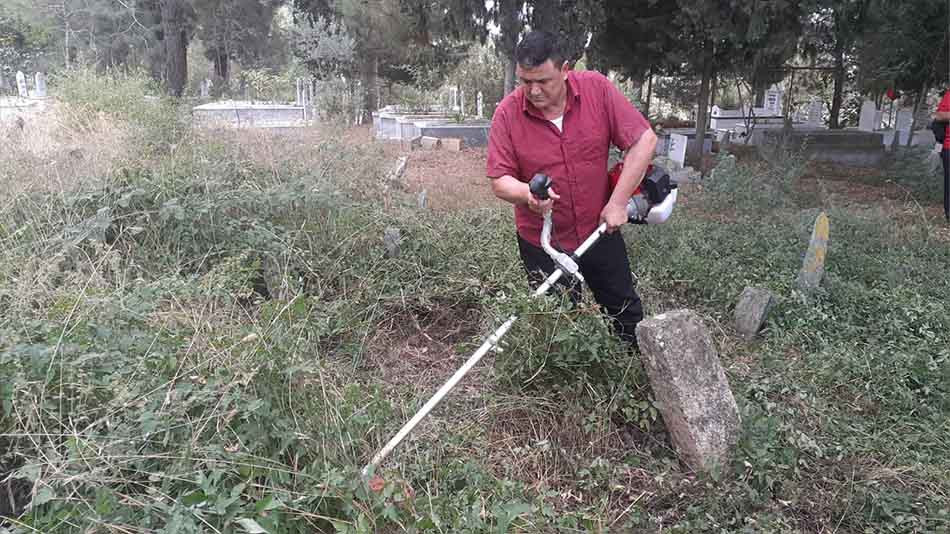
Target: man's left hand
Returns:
[[615, 216]]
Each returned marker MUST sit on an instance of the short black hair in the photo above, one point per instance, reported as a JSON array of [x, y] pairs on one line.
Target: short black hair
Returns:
[[537, 47]]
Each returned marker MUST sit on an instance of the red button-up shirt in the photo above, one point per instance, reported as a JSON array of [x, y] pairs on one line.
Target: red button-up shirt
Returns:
[[522, 143], [943, 106]]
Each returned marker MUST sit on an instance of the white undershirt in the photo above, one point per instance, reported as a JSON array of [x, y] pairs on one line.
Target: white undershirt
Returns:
[[557, 122]]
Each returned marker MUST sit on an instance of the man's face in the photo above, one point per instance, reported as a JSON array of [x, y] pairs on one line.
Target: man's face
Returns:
[[544, 85]]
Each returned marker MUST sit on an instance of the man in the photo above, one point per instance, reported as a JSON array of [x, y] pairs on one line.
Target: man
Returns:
[[561, 123], [943, 114]]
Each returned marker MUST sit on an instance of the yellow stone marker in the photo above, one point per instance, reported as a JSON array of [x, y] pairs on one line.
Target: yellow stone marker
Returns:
[[813, 268]]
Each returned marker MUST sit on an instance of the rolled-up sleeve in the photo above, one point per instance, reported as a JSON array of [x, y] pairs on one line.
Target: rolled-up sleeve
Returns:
[[627, 124], [501, 159]]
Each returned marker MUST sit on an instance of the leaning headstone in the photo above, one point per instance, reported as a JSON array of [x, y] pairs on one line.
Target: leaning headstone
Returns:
[[21, 88], [690, 388], [752, 310], [677, 149], [868, 114], [39, 88], [391, 241], [480, 106], [398, 171], [813, 268], [430, 142]]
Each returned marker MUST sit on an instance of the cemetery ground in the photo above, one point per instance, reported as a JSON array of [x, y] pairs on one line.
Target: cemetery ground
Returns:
[[201, 331]]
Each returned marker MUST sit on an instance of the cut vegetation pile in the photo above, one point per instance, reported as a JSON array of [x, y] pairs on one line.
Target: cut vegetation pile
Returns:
[[203, 332]]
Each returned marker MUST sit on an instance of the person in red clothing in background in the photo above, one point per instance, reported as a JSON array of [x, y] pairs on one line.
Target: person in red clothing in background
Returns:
[[943, 114], [561, 123]]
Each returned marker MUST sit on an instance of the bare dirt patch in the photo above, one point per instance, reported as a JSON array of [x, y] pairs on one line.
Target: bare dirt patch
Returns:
[[418, 349]]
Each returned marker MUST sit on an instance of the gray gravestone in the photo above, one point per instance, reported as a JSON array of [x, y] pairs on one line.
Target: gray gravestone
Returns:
[[813, 267], [691, 389], [773, 100], [480, 106], [868, 115], [677, 150], [39, 80], [205, 89], [903, 122], [815, 108], [421, 199], [391, 241], [299, 99], [752, 310], [21, 88], [462, 102]]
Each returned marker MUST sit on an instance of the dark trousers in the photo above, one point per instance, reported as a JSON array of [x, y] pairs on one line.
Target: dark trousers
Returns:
[[945, 157], [606, 269]]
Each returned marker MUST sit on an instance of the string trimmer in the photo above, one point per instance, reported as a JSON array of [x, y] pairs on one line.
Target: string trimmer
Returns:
[[651, 203]]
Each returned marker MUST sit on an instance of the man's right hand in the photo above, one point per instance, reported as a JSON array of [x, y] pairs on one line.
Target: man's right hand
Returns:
[[542, 206]]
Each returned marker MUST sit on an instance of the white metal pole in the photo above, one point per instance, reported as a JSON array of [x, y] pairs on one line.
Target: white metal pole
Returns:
[[489, 344]]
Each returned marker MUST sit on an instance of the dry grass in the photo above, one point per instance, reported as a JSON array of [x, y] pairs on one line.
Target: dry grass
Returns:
[[45, 152]]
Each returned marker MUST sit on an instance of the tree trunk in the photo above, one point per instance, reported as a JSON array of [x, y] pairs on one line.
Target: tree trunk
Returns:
[[509, 74], [921, 96], [222, 67], [368, 78], [176, 46], [509, 21], [834, 120], [702, 113], [758, 97]]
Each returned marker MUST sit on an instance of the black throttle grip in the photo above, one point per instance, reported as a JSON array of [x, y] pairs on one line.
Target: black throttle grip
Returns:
[[539, 186]]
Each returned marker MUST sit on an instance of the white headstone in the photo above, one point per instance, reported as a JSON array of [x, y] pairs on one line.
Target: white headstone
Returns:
[[40, 87], [677, 149], [205, 92], [462, 102], [773, 100], [815, 108], [868, 114], [905, 117], [480, 105], [455, 98], [299, 99], [21, 85]]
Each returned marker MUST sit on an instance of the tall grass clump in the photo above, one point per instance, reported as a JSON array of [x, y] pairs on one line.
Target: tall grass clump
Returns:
[[132, 99]]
